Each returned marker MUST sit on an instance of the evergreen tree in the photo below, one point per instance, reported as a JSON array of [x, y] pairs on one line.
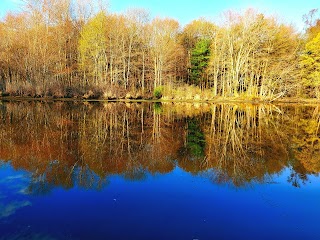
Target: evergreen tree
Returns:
[[199, 61]]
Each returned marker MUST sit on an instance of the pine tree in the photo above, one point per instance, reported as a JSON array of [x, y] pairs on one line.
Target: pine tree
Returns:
[[199, 61]]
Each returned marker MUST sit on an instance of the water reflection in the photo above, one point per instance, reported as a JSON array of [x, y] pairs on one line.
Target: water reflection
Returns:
[[66, 143]]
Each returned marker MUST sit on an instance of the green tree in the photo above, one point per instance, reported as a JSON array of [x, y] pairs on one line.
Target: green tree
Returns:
[[199, 61]]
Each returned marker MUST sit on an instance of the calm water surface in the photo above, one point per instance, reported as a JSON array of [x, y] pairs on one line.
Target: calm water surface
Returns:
[[159, 171]]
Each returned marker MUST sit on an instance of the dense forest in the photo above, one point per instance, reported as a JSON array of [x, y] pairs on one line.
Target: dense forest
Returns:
[[65, 48]]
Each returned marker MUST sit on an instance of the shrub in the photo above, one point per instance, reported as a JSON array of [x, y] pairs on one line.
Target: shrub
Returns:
[[157, 93]]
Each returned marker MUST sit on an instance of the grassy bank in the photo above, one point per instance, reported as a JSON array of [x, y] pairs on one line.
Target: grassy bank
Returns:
[[185, 93]]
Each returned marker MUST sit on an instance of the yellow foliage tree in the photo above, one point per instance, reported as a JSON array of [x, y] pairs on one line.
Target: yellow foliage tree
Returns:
[[310, 65], [92, 48]]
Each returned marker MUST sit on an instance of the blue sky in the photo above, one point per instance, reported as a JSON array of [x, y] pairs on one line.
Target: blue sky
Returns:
[[290, 11]]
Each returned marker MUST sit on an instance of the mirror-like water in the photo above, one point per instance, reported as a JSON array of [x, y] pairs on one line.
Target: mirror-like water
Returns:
[[159, 171]]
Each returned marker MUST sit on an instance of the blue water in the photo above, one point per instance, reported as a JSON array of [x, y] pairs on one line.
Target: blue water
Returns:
[[78, 171], [177, 205]]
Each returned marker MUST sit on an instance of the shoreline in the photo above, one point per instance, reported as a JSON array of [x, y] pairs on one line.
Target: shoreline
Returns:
[[213, 101]]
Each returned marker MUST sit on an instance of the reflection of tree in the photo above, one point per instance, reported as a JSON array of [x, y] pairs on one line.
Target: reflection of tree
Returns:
[[195, 138], [192, 152], [297, 178], [305, 144], [244, 143], [66, 143]]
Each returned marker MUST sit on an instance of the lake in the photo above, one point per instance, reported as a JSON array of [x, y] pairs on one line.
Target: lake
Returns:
[[96, 170]]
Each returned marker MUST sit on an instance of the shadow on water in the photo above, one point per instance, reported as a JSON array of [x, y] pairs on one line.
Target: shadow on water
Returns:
[[70, 144]]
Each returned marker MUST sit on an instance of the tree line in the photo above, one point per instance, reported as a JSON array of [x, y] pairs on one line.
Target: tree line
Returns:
[[72, 48]]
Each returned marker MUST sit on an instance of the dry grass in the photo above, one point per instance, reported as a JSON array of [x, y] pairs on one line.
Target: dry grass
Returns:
[[187, 93]]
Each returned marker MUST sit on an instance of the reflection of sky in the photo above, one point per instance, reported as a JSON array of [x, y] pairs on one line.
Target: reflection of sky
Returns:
[[13, 198], [36, 236], [12, 191], [9, 209], [177, 205]]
